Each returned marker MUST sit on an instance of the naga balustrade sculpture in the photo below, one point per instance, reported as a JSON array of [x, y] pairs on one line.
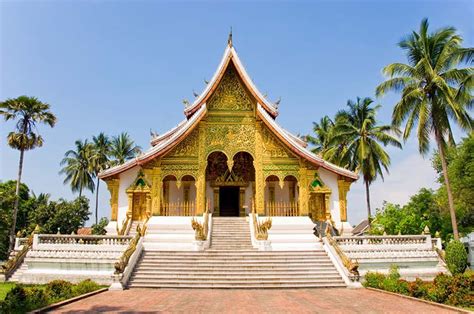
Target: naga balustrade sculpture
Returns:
[[351, 266]]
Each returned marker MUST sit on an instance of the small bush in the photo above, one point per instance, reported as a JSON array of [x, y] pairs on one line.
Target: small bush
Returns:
[[456, 257], [36, 298], [374, 280], [15, 301], [59, 289], [84, 287]]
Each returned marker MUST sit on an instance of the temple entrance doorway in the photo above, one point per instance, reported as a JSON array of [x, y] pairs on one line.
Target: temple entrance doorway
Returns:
[[229, 201]]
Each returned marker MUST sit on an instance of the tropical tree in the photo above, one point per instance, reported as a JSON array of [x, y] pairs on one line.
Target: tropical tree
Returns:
[[27, 112], [434, 91], [357, 128], [123, 149], [322, 135], [100, 161], [78, 167]]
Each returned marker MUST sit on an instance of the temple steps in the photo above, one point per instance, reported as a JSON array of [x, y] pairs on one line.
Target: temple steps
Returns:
[[232, 262]]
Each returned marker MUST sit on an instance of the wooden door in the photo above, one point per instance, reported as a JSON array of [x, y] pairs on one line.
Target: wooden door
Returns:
[[139, 206], [317, 206]]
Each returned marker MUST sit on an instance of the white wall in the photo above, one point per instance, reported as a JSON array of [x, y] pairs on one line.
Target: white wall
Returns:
[[330, 179], [126, 179]]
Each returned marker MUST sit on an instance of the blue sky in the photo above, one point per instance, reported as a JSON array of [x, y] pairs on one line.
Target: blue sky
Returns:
[[116, 66]]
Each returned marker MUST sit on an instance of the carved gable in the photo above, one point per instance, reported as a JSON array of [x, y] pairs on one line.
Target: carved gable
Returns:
[[230, 94], [271, 146]]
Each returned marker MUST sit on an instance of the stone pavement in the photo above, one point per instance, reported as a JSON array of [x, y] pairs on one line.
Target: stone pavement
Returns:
[[244, 301]]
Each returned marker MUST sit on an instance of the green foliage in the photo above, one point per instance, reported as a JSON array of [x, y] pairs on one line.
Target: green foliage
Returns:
[[123, 149], [25, 205], [99, 228], [85, 286], [456, 257], [453, 290], [59, 289], [430, 208], [62, 215], [79, 167], [461, 176], [22, 298]]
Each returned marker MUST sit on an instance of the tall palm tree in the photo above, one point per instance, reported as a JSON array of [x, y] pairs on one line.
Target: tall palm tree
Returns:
[[322, 134], [102, 147], [123, 149], [357, 128], [434, 91], [27, 112], [78, 167]]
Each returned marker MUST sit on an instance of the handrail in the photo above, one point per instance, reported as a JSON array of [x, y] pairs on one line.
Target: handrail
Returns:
[[282, 208], [15, 261], [260, 228], [351, 266], [123, 260], [126, 225], [201, 229]]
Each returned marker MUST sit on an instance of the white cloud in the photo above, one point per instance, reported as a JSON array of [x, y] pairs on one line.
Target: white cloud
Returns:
[[406, 177]]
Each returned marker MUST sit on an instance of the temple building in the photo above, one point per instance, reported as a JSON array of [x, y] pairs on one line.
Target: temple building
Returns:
[[229, 156]]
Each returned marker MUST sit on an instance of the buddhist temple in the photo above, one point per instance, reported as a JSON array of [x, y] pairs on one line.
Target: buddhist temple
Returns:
[[229, 156]]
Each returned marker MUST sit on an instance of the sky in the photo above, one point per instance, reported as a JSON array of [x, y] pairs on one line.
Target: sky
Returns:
[[115, 66]]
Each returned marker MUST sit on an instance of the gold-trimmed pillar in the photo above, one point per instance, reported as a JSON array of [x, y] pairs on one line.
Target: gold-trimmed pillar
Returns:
[[303, 197], [242, 202], [216, 202], [113, 187], [259, 177], [343, 186]]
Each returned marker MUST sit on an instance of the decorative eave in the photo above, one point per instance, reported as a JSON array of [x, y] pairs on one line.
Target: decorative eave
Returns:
[[160, 148], [298, 149], [230, 55], [154, 141]]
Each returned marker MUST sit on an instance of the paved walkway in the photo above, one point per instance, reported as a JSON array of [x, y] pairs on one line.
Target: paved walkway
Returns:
[[248, 301]]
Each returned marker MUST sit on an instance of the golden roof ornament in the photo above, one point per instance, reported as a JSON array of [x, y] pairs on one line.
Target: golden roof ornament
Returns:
[[195, 94], [186, 103], [229, 40]]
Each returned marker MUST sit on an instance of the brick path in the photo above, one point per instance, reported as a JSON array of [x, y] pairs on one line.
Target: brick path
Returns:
[[244, 301]]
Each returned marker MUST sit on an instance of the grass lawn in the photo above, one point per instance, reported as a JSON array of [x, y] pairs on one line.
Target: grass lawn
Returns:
[[4, 288]]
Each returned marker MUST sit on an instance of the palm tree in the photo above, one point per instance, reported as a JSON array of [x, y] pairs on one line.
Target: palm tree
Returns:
[[27, 112], [123, 148], [322, 132], [78, 167], [357, 128], [434, 91], [102, 147]]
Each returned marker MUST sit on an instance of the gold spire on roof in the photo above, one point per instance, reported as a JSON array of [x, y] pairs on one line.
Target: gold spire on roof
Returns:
[[229, 40]]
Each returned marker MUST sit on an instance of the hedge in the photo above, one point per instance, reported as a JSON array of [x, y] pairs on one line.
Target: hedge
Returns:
[[24, 298], [454, 290]]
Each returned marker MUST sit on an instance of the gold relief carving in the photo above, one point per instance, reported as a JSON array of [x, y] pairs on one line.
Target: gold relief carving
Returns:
[[343, 187], [230, 138], [230, 94], [271, 146], [187, 147], [113, 187], [259, 178]]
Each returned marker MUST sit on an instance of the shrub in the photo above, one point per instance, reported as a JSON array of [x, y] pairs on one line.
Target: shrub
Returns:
[[456, 257], [59, 289], [374, 280], [15, 300], [461, 288], [99, 228], [85, 286], [36, 298]]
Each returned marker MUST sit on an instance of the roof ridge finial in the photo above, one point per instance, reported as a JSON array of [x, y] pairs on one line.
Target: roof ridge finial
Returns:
[[229, 40]]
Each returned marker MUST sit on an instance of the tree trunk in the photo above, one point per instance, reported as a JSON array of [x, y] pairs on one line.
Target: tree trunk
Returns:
[[97, 200], [17, 199], [80, 190], [448, 186], [367, 195]]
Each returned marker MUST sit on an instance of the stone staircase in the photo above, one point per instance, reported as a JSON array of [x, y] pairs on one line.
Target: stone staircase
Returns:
[[232, 262], [230, 233], [133, 227]]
